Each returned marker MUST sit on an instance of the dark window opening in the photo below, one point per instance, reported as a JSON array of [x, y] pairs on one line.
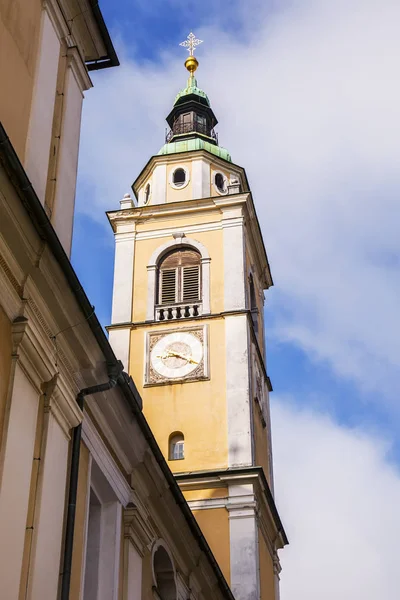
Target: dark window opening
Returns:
[[179, 177], [147, 193], [220, 182]]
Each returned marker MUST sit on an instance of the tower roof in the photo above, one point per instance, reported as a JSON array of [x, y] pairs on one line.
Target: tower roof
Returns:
[[192, 119], [190, 89]]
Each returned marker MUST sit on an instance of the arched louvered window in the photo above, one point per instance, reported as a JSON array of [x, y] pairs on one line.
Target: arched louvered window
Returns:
[[179, 277]]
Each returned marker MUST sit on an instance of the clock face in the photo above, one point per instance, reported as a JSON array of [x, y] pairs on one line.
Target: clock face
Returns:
[[176, 355]]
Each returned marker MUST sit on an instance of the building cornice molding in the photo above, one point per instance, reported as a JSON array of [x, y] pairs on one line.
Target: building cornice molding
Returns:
[[241, 476], [76, 64], [52, 7]]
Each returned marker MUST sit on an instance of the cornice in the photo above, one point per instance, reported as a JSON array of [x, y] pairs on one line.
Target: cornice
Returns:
[[78, 67]]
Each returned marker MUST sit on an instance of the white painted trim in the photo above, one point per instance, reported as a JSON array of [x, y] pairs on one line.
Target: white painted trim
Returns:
[[226, 182], [244, 550], [123, 274], [159, 180], [237, 391], [105, 461], [208, 503], [120, 343], [234, 259], [171, 177], [200, 179], [178, 242]]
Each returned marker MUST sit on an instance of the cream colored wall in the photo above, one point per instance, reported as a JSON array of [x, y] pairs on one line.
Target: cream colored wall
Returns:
[[19, 35], [267, 577], [212, 240], [214, 523], [5, 364], [198, 408]]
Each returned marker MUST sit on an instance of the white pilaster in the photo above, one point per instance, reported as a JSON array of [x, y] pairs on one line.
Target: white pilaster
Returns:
[[243, 532], [48, 523], [205, 282], [17, 458], [42, 110], [159, 181], [237, 391], [123, 273], [200, 179], [234, 259], [76, 81]]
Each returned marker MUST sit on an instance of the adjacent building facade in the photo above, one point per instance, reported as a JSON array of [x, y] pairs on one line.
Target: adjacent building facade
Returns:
[[187, 317], [89, 508]]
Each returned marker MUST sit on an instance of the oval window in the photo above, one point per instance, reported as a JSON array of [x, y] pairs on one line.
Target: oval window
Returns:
[[147, 193], [220, 183], [179, 177]]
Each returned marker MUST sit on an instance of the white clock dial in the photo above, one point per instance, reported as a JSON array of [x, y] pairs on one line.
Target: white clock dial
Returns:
[[177, 354]]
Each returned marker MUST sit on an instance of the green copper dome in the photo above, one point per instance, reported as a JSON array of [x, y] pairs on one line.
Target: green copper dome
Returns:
[[192, 88], [195, 143]]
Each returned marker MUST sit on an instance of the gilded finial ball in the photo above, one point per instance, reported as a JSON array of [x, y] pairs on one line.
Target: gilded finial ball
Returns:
[[191, 63]]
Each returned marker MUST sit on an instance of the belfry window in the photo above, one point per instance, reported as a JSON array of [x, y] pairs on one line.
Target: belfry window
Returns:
[[179, 177], [220, 183], [147, 193], [176, 446], [179, 277]]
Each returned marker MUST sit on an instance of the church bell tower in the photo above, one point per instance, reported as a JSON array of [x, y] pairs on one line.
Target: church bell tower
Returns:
[[187, 322]]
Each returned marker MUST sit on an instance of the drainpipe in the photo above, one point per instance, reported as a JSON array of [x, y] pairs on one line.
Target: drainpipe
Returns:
[[114, 373]]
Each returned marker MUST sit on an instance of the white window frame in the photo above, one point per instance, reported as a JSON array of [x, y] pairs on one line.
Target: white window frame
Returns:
[[179, 242], [171, 177]]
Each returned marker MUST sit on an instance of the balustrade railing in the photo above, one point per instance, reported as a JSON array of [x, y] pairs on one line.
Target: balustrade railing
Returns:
[[178, 311], [192, 127]]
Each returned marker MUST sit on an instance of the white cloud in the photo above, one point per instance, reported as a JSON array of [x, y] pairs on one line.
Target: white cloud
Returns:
[[308, 100], [338, 496]]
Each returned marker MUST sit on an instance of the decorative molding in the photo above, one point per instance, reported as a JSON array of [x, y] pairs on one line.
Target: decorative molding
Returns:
[[78, 68], [61, 403], [56, 16], [105, 461], [136, 530]]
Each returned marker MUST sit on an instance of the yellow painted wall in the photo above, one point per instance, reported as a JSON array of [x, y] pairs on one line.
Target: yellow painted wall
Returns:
[[212, 240], [5, 364], [183, 193], [198, 408], [214, 523], [150, 223], [80, 523], [267, 578], [19, 35], [220, 492]]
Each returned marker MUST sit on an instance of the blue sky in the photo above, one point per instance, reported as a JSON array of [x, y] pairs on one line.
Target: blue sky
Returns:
[[307, 102]]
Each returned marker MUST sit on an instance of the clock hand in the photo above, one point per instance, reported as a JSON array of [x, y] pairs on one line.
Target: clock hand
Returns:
[[189, 359]]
